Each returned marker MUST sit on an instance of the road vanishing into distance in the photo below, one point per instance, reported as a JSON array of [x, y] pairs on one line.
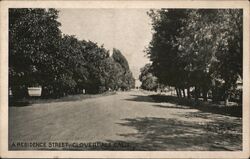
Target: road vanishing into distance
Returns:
[[123, 121]]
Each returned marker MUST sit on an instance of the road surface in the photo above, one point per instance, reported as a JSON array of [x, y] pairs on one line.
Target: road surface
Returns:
[[124, 121]]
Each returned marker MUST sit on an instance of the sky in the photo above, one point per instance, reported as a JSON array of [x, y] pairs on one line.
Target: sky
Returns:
[[128, 30]]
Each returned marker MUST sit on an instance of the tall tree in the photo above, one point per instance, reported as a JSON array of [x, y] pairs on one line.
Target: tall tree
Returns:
[[126, 81], [33, 43], [163, 51]]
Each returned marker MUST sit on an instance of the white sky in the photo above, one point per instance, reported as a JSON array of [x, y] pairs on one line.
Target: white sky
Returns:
[[128, 30]]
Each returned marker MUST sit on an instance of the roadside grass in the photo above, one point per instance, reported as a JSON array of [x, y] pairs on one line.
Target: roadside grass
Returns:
[[232, 110], [69, 98]]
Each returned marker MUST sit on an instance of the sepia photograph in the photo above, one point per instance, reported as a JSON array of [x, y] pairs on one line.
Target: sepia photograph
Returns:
[[135, 79]]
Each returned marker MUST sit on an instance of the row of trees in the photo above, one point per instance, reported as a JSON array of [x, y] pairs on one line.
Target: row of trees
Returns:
[[197, 48], [39, 55]]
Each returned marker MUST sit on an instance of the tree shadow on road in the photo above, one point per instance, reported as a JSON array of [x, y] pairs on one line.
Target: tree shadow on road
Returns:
[[184, 103], [140, 98], [161, 134], [200, 105], [172, 106]]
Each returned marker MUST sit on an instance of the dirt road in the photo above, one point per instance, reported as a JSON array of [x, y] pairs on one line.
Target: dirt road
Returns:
[[125, 121]]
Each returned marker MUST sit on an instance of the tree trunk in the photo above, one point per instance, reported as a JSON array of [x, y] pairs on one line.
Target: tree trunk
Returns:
[[196, 93], [188, 93], [226, 101], [184, 94], [227, 94], [226, 98], [177, 92], [204, 94]]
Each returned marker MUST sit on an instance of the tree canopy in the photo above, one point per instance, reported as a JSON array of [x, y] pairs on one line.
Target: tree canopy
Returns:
[[40, 55], [149, 81], [200, 48]]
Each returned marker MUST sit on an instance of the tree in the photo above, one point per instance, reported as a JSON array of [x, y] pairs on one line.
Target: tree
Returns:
[[126, 80], [215, 48], [33, 43], [149, 81], [163, 51], [197, 48], [230, 50]]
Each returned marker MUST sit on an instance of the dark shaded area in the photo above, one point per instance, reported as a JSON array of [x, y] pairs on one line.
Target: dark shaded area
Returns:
[[36, 100], [140, 98], [184, 103], [19, 103], [172, 107], [215, 108], [157, 134]]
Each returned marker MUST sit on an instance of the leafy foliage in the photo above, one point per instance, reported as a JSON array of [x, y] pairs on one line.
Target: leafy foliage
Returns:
[[39, 55], [199, 48], [149, 81]]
